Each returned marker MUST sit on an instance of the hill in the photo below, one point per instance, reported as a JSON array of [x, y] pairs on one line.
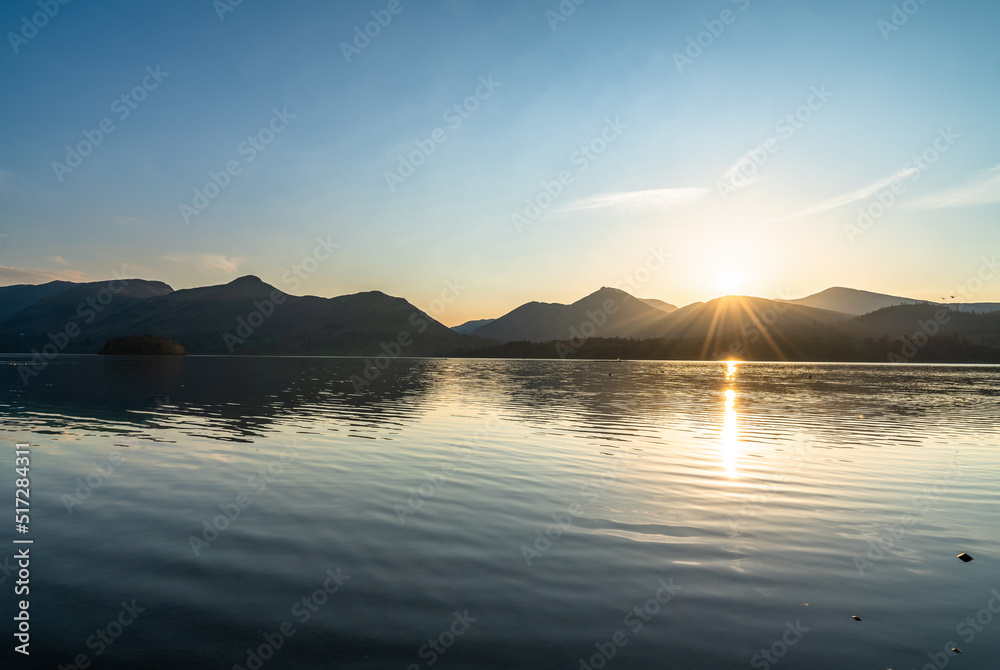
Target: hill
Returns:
[[470, 326], [245, 316], [660, 305], [851, 301], [14, 299], [856, 302], [751, 329], [608, 312]]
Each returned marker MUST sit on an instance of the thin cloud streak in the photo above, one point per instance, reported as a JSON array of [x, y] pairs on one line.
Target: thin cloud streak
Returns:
[[984, 189], [207, 262], [664, 198], [734, 171], [10, 276], [853, 196]]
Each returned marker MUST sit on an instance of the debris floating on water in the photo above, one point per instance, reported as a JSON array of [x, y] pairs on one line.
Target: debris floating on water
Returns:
[[857, 618], [965, 557]]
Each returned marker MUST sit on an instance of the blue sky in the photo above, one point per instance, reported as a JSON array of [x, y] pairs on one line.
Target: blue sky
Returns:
[[698, 158]]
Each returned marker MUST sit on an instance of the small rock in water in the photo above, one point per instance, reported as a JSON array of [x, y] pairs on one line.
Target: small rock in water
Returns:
[[965, 557], [857, 618]]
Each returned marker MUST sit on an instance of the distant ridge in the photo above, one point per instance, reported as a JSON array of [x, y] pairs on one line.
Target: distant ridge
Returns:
[[18, 297], [660, 305], [852, 301], [858, 302], [470, 326]]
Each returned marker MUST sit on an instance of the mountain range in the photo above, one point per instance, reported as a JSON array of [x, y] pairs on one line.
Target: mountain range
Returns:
[[614, 313], [248, 316], [245, 316], [853, 301]]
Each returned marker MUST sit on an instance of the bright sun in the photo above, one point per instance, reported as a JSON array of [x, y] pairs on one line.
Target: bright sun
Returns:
[[730, 283]]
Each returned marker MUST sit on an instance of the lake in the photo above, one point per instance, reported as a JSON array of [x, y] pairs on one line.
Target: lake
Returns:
[[213, 512]]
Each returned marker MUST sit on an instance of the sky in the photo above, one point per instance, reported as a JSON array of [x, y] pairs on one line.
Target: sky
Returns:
[[471, 156]]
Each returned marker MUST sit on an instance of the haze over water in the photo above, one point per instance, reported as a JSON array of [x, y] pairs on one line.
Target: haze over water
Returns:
[[515, 512]]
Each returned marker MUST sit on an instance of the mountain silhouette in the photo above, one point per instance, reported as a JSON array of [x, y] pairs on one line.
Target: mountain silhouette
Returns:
[[851, 301], [245, 316], [608, 312], [857, 302], [248, 316], [470, 326]]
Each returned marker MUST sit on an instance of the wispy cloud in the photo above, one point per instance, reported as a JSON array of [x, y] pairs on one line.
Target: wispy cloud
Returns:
[[58, 260], [21, 276], [733, 174], [207, 262], [855, 195], [983, 189], [663, 198], [126, 220]]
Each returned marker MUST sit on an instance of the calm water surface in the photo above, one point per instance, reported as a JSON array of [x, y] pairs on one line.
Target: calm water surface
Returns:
[[507, 514]]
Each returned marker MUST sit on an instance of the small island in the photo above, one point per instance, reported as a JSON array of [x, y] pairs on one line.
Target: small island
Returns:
[[142, 345]]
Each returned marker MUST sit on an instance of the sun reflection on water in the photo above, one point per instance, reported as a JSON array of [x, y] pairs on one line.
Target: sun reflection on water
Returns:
[[730, 426]]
